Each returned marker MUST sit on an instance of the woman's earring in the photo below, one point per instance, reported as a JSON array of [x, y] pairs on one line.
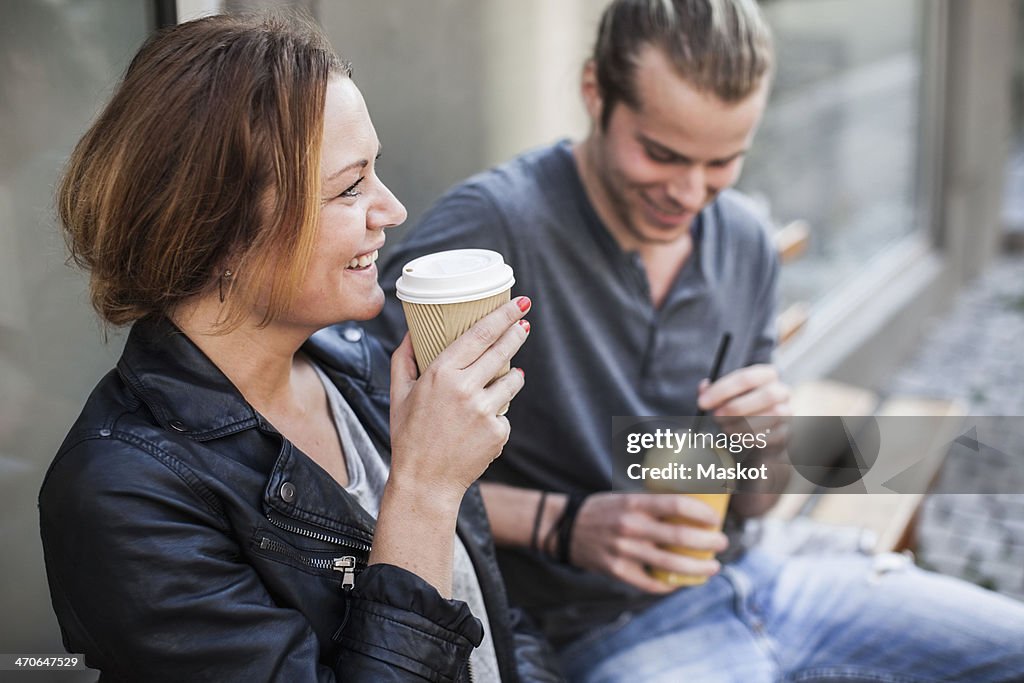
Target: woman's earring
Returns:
[[226, 276]]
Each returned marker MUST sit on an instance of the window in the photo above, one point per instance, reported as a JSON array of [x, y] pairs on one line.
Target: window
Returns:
[[58, 64], [839, 143]]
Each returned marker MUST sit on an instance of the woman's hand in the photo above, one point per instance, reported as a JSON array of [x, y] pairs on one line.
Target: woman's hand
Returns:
[[445, 430]]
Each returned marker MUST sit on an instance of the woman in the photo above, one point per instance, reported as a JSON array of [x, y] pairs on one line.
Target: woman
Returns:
[[211, 514]]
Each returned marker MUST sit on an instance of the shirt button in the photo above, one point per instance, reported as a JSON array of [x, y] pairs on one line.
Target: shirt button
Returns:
[[352, 334], [288, 492], [178, 426]]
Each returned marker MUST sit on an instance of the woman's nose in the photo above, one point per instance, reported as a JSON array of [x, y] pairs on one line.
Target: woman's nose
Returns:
[[387, 211]]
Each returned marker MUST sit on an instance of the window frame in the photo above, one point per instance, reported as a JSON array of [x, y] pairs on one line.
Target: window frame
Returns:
[[862, 331]]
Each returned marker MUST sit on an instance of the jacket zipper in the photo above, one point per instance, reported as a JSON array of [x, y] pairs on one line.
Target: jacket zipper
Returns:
[[319, 535], [345, 564]]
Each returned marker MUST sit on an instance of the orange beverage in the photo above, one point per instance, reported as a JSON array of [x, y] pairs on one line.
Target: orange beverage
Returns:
[[712, 492], [719, 501]]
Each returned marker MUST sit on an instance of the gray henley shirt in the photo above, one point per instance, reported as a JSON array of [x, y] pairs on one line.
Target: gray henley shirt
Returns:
[[598, 346]]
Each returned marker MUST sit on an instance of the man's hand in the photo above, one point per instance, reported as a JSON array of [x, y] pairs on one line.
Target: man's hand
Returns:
[[619, 534], [749, 391], [754, 391]]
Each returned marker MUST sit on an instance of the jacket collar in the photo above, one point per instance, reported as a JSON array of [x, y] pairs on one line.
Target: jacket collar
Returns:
[[183, 389], [187, 393]]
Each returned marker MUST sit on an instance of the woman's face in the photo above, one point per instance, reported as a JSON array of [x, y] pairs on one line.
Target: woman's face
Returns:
[[341, 280]]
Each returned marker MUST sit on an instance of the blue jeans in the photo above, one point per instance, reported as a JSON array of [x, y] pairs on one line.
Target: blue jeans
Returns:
[[828, 618]]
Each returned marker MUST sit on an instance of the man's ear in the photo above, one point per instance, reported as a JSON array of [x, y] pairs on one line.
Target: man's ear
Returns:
[[591, 92]]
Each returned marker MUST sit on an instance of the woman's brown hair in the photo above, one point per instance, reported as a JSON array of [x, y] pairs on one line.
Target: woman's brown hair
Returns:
[[206, 159]]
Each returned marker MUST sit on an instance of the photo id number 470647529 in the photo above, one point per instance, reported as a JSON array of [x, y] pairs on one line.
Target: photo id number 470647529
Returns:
[[41, 662]]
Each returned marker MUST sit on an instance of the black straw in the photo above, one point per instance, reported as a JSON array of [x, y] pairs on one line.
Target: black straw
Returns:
[[716, 366]]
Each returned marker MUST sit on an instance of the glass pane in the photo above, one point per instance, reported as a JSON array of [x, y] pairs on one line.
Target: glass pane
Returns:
[[1013, 200], [58, 63], [838, 146]]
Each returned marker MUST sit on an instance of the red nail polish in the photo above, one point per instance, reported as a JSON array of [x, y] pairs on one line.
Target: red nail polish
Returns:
[[521, 372], [525, 324], [524, 303]]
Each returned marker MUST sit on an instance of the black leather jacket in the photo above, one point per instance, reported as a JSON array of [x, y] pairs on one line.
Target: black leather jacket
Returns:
[[187, 540]]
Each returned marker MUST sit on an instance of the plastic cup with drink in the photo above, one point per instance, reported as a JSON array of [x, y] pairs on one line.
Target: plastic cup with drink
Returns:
[[714, 493]]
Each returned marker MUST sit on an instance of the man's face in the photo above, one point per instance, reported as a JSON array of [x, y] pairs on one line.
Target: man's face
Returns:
[[658, 165]]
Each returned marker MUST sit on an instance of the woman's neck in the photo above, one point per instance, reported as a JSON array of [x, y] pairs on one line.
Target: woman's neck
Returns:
[[260, 362]]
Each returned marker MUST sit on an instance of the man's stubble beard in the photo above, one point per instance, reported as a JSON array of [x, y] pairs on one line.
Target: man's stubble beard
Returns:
[[615, 189]]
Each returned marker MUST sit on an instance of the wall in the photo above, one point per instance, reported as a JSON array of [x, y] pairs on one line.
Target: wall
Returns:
[[58, 63]]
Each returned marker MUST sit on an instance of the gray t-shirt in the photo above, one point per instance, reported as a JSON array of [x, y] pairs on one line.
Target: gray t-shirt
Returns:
[[367, 475], [598, 347]]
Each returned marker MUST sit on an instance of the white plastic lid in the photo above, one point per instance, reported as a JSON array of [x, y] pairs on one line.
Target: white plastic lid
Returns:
[[452, 277]]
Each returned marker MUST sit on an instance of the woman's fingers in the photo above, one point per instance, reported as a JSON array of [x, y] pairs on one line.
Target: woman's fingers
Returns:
[[465, 350], [403, 370], [445, 423], [502, 390], [495, 359]]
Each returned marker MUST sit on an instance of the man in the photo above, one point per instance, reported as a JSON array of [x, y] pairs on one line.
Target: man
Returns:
[[638, 258]]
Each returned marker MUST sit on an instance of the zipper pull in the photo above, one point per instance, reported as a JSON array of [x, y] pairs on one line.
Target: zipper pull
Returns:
[[347, 566]]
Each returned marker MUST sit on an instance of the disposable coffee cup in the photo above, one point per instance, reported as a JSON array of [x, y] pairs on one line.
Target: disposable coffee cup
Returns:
[[445, 293], [713, 492]]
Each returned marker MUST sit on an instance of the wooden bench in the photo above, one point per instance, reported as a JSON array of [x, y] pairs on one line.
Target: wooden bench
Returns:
[[791, 241], [889, 518]]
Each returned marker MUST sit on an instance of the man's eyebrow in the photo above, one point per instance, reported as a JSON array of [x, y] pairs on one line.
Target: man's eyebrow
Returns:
[[729, 158], [362, 163], [682, 157], [657, 146]]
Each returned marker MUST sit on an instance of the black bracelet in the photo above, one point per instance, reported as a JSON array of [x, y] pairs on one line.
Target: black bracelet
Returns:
[[536, 522], [547, 544], [566, 525]]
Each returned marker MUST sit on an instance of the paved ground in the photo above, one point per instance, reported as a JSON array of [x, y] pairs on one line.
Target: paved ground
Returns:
[[976, 354]]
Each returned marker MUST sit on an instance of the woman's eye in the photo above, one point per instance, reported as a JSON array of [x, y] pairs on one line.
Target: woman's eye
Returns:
[[351, 190]]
